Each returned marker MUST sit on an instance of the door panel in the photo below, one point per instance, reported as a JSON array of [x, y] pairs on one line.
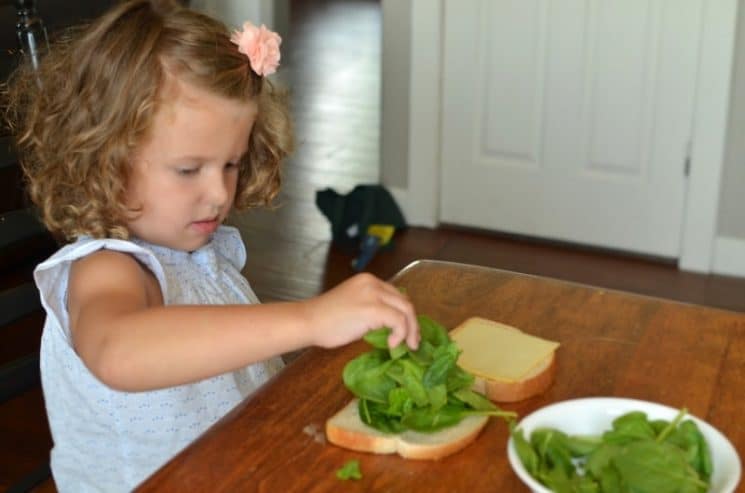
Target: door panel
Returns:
[[569, 119]]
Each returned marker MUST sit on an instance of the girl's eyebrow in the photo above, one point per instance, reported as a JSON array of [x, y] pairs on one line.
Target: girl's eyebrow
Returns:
[[188, 158], [196, 158]]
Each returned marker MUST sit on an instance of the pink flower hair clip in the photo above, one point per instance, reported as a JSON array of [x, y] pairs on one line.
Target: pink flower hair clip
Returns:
[[260, 45]]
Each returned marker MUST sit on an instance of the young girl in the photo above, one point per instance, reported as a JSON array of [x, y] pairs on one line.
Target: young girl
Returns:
[[138, 136]]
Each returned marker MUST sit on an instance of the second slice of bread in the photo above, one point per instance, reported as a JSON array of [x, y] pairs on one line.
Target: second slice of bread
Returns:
[[498, 388], [536, 382], [347, 430]]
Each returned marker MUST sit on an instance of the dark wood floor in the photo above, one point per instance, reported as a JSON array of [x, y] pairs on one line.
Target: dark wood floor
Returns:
[[332, 65]]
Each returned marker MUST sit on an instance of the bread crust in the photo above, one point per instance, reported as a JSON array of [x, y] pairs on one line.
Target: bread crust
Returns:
[[506, 391], [356, 439], [345, 429], [409, 450]]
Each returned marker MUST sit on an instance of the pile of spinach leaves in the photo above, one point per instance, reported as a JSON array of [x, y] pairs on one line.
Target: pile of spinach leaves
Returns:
[[423, 390], [637, 455]]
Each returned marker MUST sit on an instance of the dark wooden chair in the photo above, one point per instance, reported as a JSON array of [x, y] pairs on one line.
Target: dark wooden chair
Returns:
[[20, 374], [23, 243]]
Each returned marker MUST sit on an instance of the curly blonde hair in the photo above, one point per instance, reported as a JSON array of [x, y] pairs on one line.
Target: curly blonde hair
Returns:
[[80, 117]]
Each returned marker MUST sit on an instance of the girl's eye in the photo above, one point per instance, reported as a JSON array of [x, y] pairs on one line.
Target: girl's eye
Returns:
[[187, 171], [231, 166]]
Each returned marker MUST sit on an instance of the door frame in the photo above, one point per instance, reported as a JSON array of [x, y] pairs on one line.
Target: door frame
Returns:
[[708, 129]]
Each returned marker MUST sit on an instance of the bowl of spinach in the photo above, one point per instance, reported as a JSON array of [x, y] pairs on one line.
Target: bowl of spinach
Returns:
[[603, 445]]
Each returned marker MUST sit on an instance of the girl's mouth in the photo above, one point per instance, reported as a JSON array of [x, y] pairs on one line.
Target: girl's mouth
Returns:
[[208, 226]]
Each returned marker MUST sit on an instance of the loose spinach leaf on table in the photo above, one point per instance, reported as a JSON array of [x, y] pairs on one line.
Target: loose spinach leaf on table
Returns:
[[350, 470], [423, 390], [636, 455]]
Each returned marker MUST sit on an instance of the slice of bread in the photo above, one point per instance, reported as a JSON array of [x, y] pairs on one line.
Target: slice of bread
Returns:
[[346, 429], [540, 379], [509, 365]]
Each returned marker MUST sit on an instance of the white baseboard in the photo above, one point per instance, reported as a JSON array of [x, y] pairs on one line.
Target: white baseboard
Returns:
[[729, 256]]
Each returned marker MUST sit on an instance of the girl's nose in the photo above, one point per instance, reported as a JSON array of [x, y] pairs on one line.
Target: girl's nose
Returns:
[[218, 189]]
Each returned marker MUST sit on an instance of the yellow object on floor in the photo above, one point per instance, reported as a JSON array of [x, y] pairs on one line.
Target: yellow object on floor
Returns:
[[384, 232]]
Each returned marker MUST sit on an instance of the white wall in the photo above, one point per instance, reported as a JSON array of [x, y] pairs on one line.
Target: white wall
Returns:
[[729, 246], [732, 204], [394, 126], [234, 12], [411, 106], [275, 14]]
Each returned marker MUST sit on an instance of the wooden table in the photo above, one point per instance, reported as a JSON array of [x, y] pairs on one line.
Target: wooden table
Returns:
[[612, 344]]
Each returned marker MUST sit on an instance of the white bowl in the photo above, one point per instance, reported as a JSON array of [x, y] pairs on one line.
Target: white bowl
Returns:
[[593, 416]]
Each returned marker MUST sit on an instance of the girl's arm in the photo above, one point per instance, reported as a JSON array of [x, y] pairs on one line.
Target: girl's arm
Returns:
[[130, 341]]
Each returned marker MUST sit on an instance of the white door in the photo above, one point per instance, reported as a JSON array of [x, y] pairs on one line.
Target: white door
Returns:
[[570, 119]]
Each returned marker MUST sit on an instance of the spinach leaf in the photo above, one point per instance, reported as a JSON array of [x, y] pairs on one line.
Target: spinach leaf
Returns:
[[551, 447], [378, 338], [438, 396], [432, 332], [350, 470], [366, 376], [474, 400], [409, 376], [580, 446], [610, 480], [458, 378], [444, 359], [424, 354], [705, 466], [376, 415], [651, 467], [399, 402], [599, 460], [427, 420], [525, 452], [559, 481], [689, 439], [399, 351], [629, 427], [671, 426]]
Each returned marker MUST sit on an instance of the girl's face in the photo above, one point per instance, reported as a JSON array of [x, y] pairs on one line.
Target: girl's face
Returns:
[[184, 176]]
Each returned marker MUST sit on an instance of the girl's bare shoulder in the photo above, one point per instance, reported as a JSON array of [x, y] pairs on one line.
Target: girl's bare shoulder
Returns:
[[106, 263], [112, 271]]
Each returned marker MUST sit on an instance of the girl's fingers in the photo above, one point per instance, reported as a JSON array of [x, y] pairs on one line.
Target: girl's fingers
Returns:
[[404, 325], [390, 288]]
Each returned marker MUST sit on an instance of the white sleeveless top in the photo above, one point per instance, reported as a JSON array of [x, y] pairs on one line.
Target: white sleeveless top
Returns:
[[107, 440]]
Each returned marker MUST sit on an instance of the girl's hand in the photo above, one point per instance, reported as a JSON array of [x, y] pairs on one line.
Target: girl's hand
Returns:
[[358, 305]]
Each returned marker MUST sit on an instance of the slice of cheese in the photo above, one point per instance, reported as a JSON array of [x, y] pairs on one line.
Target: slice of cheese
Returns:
[[498, 351]]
